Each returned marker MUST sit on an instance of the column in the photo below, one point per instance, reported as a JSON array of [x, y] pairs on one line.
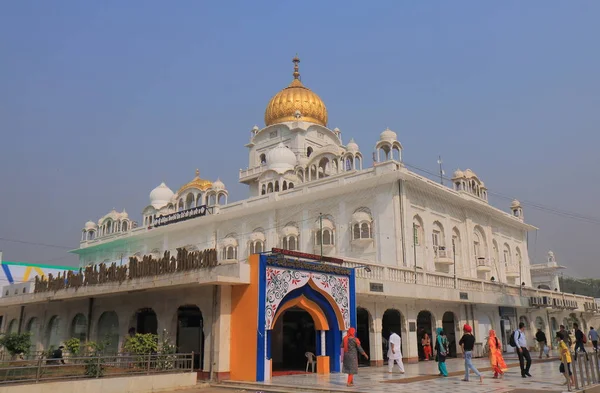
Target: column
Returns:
[[323, 361], [375, 342], [222, 331]]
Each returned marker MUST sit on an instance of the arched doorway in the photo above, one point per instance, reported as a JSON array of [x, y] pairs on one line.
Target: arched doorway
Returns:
[[33, 328], [449, 327], [146, 321], [291, 337], [79, 327], [553, 329], [190, 333], [53, 333], [390, 323], [425, 324], [363, 328], [108, 331]]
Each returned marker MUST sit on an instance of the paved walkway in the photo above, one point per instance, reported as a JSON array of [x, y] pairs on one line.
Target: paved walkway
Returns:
[[422, 377]]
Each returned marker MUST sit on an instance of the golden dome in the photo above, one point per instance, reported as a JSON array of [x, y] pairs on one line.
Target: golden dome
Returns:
[[198, 183], [296, 102]]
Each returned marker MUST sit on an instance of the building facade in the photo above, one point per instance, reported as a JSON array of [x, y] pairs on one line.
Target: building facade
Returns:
[[423, 255]]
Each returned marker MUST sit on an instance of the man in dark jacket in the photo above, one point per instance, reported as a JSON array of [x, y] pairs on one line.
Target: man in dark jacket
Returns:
[[580, 339], [540, 337]]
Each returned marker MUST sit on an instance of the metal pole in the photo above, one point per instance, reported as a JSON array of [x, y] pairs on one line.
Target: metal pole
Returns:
[[321, 233], [415, 248], [441, 170]]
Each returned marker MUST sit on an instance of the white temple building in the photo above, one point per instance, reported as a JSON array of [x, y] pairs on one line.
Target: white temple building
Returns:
[[425, 255]]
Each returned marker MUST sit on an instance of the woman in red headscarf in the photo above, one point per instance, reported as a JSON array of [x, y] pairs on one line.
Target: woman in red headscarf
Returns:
[[496, 358], [351, 350]]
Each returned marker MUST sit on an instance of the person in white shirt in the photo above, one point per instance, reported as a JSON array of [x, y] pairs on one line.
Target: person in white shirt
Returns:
[[395, 353], [522, 350]]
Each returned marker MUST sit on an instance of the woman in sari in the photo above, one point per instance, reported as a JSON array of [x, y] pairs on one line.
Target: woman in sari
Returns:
[[351, 350], [441, 347], [496, 358]]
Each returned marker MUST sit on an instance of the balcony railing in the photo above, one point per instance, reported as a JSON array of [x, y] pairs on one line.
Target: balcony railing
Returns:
[[440, 280], [249, 172]]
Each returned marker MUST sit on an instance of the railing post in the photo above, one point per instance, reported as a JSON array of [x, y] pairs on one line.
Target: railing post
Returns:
[[587, 368], [98, 365], [192, 363], [39, 369], [149, 357]]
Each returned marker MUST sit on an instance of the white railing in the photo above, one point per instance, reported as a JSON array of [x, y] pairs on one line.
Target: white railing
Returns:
[[441, 252], [441, 280], [257, 170]]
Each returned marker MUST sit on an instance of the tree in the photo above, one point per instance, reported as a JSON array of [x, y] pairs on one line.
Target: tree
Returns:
[[16, 343]]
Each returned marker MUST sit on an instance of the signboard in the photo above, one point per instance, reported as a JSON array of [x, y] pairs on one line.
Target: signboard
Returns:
[[147, 267], [183, 215], [375, 287], [464, 296], [304, 255], [507, 311]]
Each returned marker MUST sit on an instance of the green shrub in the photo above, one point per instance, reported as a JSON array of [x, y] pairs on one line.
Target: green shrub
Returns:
[[73, 345], [16, 343], [142, 344]]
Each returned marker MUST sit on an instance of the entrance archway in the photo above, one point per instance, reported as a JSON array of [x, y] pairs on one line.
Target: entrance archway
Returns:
[[390, 323], [108, 331], [190, 333], [292, 336], [425, 324], [553, 328], [363, 328], [145, 321], [449, 327]]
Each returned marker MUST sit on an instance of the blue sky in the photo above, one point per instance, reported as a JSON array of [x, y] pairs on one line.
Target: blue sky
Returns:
[[101, 101]]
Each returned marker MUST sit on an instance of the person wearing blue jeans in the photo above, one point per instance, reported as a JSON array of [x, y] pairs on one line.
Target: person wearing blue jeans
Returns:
[[467, 343]]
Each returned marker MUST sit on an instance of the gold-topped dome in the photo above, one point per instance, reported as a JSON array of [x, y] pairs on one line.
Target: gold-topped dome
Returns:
[[196, 182], [296, 102]]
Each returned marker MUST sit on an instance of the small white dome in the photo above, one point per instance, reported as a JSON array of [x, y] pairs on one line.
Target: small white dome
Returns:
[[281, 158], [458, 174], [515, 203], [160, 196], [255, 128], [90, 225], [352, 146], [470, 174], [124, 215], [218, 185], [388, 135]]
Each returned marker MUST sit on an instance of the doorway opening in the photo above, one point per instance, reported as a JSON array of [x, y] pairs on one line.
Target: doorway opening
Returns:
[[146, 321], [291, 338], [363, 324], [190, 334], [424, 326], [391, 323], [448, 325]]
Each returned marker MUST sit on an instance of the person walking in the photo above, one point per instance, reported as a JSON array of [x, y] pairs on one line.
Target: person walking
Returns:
[[566, 336], [496, 358], [565, 358], [351, 350], [395, 353], [426, 344], [441, 348], [540, 337], [580, 339], [467, 343], [593, 336], [522, 351]]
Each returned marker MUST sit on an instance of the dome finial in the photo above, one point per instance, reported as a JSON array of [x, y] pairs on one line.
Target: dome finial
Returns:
[[296, 61], [197, 172]]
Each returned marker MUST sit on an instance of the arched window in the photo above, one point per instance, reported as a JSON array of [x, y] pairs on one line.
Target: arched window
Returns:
[[291, 185], [229, 253], [124, 226], [270, 188], [13, 326], [189, 201], [325, 238], [361, 224], [290, 243], [438, 239], [263, 159], [222, 198], [108, 227], [276, 186], [256, 247], [180, 205], [264, 189], [284, 187], [309, 151], [506, 254]]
